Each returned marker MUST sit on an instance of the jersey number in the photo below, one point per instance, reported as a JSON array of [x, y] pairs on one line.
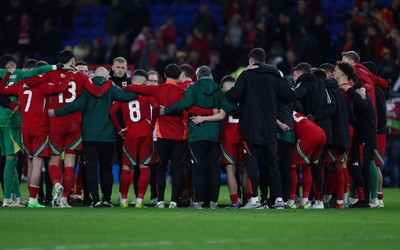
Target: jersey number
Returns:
[[134, 111], [72, 90], [28, 102]]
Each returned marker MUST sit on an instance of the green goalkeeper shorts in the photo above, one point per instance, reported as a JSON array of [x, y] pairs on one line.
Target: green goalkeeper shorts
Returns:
[[10, 140]]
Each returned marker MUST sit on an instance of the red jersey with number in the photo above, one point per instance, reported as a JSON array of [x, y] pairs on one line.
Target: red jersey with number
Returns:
[[34, 102], [167, 94], [76, 85], [230, 130], [139, 116]]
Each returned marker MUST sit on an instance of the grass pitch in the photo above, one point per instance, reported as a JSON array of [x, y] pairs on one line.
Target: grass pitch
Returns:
[[184, 228]]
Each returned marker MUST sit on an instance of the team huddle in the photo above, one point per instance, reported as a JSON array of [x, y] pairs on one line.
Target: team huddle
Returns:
[[325, 126]]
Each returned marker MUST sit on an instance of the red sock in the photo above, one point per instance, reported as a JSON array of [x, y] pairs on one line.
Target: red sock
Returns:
[[307, 180], [246, 197], [33, 191], [55, 174], [330, 182], [339, 183], [234, 198], [346, 179], [68, 180], [380, 196], [250, 186], [292, 195], [143, 182], [79, 183], [124, 183], [360, 191]]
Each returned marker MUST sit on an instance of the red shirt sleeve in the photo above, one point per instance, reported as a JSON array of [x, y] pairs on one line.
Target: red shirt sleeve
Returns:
[[196, 110], [113, 115], [93, 89], [36, 80], [142, 90], [50, 89], [3, 83]]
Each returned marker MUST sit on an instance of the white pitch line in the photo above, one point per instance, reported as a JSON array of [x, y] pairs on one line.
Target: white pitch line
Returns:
[[166, 243]]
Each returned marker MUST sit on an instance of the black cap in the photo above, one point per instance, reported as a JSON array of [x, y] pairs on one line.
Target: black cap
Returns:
[[5, 59]]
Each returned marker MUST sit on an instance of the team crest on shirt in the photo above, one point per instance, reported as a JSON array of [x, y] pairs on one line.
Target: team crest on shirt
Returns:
[[124, 83]]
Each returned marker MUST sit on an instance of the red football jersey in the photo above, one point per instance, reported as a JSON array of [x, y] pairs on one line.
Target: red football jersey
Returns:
[[302, 125], [139, 116], [34, 102], [78, 82], [168, 127], [230, 130]]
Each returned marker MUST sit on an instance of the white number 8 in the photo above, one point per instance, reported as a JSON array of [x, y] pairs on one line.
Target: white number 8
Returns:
[[134, 111]]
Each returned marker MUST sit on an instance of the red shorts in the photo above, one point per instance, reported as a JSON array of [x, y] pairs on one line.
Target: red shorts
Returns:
[[379, 152], [232, 153], [138, 150], [334, 154], [308, 149], [66, 137], [35, 143]]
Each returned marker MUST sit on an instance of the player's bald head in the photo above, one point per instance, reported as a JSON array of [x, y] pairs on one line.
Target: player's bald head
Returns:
[[101, 71]]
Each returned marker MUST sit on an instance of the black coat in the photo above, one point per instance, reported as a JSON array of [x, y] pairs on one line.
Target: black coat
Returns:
[[380, 109], [257, 91], [316, 101], [365, 126], [340, 118]]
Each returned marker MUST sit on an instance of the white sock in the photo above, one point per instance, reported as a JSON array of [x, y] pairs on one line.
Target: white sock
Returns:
[[340, 202], [345, 196], [374, 200], [304, 201], [138, 200], [32, 200], [254, 200], [290, 202], [327, 197]]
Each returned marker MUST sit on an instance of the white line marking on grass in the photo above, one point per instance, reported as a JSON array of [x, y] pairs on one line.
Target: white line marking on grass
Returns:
[[166, 243]]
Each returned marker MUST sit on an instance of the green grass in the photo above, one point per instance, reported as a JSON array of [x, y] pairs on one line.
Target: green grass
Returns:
[[116, 228]]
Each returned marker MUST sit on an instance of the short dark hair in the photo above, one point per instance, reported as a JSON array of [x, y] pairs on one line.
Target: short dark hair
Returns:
[[227, 78], [5, 59], [172, 71], [327, 67], [352, 55], [319, 74], [303, 67], [187, 69], [348, 70], [258, 55], [80, 63], [64, 56], [371, 66], [140, 72], [30, 64]]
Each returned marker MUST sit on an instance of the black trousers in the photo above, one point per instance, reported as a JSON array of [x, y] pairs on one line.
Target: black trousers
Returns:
[[174, 151], [99, 155], [153, 180], [284, 157], [360, 174], [206, 170], [263, 158]]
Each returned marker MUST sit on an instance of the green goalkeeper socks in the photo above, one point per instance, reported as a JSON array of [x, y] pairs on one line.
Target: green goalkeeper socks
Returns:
[[9, 176], [374, 180]]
